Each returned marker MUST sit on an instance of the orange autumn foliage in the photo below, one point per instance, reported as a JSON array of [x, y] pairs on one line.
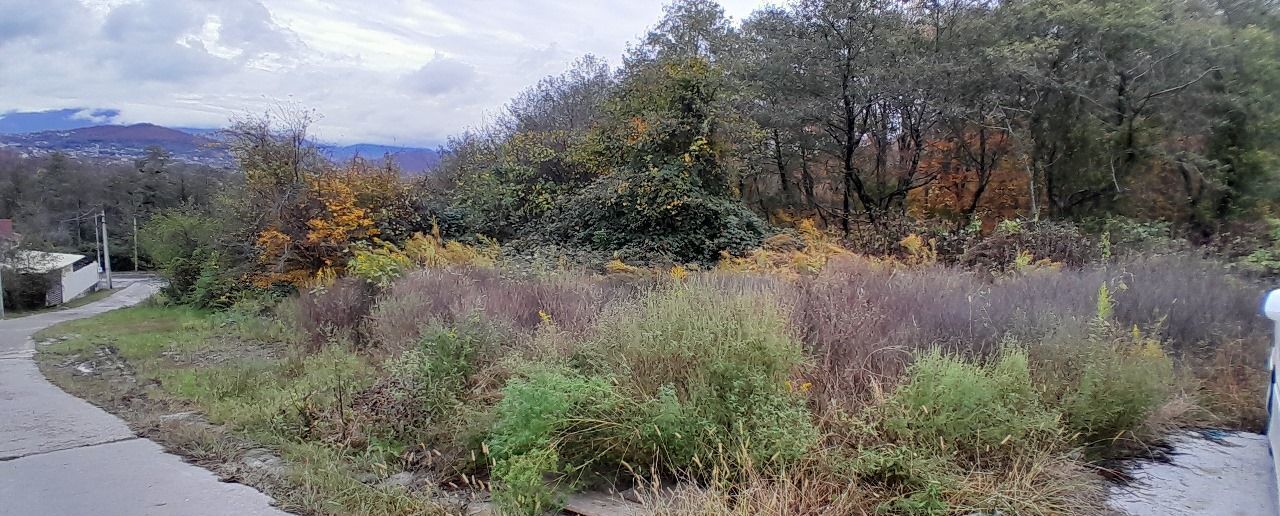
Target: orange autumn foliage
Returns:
[[341, 219], [336, 211], [957, 168]]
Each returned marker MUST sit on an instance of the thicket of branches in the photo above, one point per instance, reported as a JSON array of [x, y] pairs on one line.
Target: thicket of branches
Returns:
[[870, 117], [858, 111], [53, 199]]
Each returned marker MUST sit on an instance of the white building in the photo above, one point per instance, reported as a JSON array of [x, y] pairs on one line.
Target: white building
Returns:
[[70, 275]]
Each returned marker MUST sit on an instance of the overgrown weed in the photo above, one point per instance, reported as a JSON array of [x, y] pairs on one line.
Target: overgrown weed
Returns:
[[868, 387]]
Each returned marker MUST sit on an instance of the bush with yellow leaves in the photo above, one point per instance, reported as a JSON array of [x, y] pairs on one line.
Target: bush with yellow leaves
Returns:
[[920, 252], [617, 266], [806, 252], [1025, 262], [433, 251]]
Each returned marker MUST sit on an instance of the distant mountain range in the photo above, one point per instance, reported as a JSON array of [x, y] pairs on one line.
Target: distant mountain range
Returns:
[[119, 142], [410, 159], [74, 133]]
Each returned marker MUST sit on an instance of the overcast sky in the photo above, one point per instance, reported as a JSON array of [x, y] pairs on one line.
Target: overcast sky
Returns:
[[407, 72]]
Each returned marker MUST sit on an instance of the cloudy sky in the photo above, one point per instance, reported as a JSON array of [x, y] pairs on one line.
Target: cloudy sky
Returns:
[[406, 72]]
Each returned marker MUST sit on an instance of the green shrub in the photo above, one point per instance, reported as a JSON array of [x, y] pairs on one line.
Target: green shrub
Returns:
[[913, 480], [1121, 382], [701, 341], [445, 358], [552, 421], [901, 468], [714, 368], [753, 427], [520, 486], [667, 193], [1119, 236], [925, 502], [378, 265], [541, 410], [687, 381], [655, 216], [424, 388], [215, 286], [1106, 382], [1257, 246], [970, 408], [182, 243]]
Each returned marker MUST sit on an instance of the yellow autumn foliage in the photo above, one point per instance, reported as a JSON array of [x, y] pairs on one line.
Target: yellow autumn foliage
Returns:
[[342, 219], [920, 252], [617, 266], [433, 251], [679, 273], [317, 232], [1025, 263], [805, 253]]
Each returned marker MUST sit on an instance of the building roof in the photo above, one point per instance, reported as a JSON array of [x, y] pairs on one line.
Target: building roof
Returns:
[[40, 262]]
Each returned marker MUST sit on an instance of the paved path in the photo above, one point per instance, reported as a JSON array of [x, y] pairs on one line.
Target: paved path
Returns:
[[1229, 475], [60, 455]]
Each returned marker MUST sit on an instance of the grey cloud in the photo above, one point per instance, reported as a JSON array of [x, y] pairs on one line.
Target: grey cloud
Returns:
[[249, 26], [37, 19], [159, 40], [167, 63], [365, 66], [545, 60], [151, 21], [441, 76]]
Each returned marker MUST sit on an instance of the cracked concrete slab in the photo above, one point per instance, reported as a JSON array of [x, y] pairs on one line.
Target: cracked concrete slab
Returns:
[[131, 477], [39, 417], [60, 455], [1228, 475]]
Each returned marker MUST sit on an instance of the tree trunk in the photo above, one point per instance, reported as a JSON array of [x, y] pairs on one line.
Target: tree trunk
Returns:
[[783, 184]]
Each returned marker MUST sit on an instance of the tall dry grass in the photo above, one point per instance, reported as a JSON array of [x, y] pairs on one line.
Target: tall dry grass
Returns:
[[334, 312], [863, 320], [572, 302], [860, 320], [861, 324]]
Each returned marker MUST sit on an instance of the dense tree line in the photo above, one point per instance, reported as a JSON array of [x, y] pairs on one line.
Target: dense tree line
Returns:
[[866, 116], [859, 111], [53, 199]]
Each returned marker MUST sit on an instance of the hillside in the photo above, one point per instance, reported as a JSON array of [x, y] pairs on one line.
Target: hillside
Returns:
[[410, 159], [130, 142], [120, 142]]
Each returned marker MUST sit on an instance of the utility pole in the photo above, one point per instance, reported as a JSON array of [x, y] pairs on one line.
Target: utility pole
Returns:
[[135, 243], [106, 251], [5, 247], [97, 241]]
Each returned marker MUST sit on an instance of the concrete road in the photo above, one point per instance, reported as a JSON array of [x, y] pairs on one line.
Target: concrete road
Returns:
[[60, 455], [1229, 475]]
